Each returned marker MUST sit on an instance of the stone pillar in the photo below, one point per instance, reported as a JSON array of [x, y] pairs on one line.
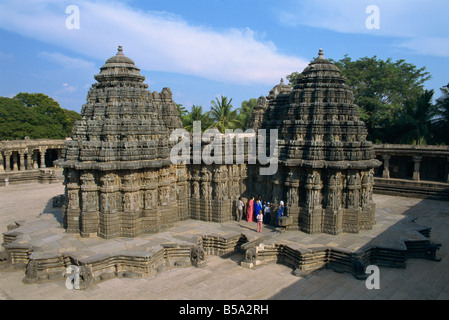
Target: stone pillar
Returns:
[[42, 152], [72, 210], [21, 160], [30, 159], [7, 160], [89, 205], [311, 220], [34, 155], [417, 162], [14, 162], [2, 168], [386, 172]]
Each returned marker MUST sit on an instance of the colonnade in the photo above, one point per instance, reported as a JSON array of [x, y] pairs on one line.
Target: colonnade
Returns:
[[418, 163], [23, 155]]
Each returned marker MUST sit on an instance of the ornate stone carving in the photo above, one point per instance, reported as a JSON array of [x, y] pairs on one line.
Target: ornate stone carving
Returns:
[[85, 276], [120, 150], [251, 255], [321, 140], [197, 256], [31, 270]]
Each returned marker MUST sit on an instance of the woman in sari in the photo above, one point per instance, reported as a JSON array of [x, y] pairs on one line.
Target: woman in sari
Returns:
[[250, 210]]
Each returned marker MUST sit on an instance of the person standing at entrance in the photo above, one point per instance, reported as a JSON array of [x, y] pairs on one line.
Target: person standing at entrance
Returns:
[[280, 213], [240, 208], [250, 210], [267, 214], [259, 218], [257, 208]]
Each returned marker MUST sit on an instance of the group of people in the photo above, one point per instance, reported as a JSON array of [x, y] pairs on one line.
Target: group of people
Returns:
[[259, 211]]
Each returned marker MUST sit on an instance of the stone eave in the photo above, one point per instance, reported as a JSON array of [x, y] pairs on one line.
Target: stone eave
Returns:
[[116, 165], [337, 165]]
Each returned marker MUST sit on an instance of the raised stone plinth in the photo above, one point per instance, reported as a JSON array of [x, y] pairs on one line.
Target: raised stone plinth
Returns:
[[43, 248]]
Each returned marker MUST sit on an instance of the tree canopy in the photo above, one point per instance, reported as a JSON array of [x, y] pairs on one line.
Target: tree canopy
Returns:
[[390, 95], [245, 112], [221, 115], [414, 122], [197, 114], [442, 120], [35, 115]]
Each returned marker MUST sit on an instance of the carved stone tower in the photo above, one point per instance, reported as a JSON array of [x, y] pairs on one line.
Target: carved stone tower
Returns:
[[326, 165], [118, 175], [120, 180]]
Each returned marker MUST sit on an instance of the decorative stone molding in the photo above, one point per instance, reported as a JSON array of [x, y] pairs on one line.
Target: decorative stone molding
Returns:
[[124, 133]]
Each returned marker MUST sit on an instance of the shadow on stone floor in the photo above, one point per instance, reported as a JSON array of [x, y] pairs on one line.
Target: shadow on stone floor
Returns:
[[406, 242], [53, 208]]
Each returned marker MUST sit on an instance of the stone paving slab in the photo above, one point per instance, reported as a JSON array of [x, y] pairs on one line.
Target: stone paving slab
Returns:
[[225, 278], [48, 237]]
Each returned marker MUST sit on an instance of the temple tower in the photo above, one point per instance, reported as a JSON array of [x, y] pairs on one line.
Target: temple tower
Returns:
[[326, 170], [120, 180], [118, 174]]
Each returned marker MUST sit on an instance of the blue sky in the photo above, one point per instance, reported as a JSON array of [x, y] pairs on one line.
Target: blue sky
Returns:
[[203, 49]]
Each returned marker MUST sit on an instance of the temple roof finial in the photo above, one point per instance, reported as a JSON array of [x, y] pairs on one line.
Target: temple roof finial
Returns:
[[320, 54], [120, 51]]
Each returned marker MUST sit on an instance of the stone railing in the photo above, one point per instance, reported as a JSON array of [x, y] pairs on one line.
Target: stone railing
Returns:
[[409, 170], [41, 267]]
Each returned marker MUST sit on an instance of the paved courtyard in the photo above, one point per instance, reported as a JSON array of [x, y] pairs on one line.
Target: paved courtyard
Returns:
[[225, 279]]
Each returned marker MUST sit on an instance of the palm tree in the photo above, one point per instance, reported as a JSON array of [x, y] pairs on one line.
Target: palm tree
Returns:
[[197, 115], [245, 112], [223, 115], [442, 122], [415, 122], [182, 112]]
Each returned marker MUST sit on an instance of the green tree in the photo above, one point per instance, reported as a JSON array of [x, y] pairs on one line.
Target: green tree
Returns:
[[16, 121], [293, 78], [70, 118], [197, 114], [222, 114], [381, 88], [244, 113], [415, 121], [441, 127], [36, 116], [182, 111]]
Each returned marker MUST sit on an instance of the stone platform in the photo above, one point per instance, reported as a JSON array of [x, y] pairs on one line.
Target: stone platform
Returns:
[[45, 249]]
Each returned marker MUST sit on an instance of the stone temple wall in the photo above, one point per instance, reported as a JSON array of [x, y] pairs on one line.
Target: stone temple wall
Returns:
[[214, 190], [124, 203], [130, 202], [118, 175], [120, 180], [326, 172]]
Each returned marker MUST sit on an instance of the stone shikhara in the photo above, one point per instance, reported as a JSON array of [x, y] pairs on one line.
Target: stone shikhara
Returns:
[[120, 180], [326, 166]]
